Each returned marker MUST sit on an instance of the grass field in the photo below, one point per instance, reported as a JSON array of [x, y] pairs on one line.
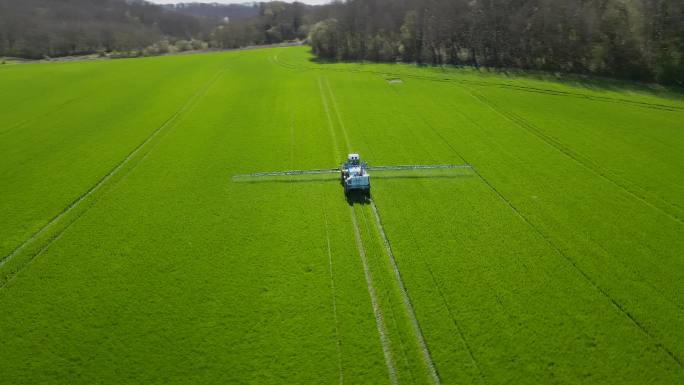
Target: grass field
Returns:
[[129, 254]]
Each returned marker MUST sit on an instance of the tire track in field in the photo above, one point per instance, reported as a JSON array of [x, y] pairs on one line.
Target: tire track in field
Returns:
[[646, 281], [377, 312], [450, 312], [33, 118], [337, 113], [545, 91], [379, 320], [334, 298], [330, 122], [617, 305], [408, 307], [436, 283], [333, 291], [190, 102], [391, 314], [94, 86], [427, 357], [9, 277], [590, 280], [587, 164], [659, 291]]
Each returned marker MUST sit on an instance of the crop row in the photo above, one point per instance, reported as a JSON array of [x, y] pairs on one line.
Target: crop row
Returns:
[[510, 268], [178, 274]]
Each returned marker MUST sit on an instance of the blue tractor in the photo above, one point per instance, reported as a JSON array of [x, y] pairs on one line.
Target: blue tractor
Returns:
[[354, 175]]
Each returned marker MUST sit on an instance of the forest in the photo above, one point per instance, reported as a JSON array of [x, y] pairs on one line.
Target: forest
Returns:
[[635, 39], [35, 29], [632, 39], [38, 29]]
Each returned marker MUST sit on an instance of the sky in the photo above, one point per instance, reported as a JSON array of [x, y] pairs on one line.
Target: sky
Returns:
[[231, 1]]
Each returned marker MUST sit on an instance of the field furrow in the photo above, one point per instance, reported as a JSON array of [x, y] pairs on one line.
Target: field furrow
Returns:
[[379, 318], [38, 242], [405, 298], [132, 254]]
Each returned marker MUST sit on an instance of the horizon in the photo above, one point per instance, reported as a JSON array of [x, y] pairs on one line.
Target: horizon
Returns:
[[310, 2]]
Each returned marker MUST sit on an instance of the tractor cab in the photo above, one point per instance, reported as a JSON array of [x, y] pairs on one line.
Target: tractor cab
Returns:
[[354, 174]]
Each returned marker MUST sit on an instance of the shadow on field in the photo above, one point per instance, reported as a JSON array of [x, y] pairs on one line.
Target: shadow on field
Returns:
[[375, 176], [354, 196], [358, 197], [593, 82], [335, 178], [284, 180]]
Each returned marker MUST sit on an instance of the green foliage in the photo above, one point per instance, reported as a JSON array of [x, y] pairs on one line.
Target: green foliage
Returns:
[[183, 45], [324, 38], [557, 259], [159, 48], [38, 28], [633, 39], [276, 22], [189, 45]]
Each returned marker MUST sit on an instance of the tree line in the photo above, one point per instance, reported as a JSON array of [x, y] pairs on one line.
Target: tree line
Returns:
[[635, 39], [275, 22], [35, 29], [38, 28]]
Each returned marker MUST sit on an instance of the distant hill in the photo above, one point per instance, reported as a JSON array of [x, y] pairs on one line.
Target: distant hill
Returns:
[[37, 28], [216, 12], [34, 29]]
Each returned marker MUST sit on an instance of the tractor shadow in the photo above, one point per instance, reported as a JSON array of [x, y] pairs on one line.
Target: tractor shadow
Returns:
[[358, 197]]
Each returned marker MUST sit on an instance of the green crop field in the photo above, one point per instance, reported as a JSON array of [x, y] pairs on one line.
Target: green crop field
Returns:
[[129, 253]]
